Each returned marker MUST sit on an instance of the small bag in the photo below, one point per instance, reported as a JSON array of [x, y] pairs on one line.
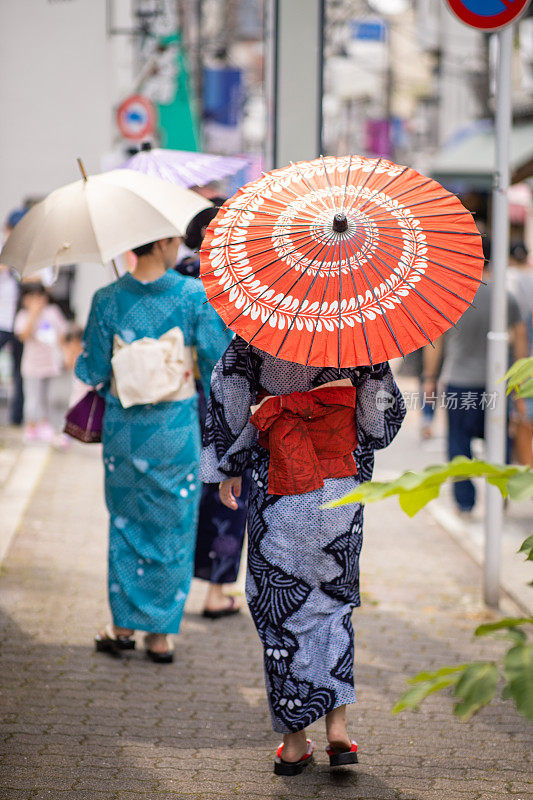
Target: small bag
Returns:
[[84, 420]]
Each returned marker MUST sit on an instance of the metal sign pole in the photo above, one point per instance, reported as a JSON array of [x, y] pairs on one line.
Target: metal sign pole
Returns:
[[497, 354], [296, 84]]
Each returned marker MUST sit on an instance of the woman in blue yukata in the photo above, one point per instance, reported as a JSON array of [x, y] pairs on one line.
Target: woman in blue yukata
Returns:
[[138, 351], [221, 530], [302, 585]]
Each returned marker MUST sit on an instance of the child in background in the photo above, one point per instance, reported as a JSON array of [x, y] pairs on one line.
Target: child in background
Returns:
[[39, 325], [71, 348]]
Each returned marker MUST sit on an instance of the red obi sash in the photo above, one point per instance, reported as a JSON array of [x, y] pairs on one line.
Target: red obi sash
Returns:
[[310, 436]]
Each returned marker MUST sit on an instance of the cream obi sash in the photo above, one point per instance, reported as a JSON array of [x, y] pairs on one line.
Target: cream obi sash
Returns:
[[152, 370]]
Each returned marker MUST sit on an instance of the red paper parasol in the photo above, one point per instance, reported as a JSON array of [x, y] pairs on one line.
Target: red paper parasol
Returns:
[[341, 261]]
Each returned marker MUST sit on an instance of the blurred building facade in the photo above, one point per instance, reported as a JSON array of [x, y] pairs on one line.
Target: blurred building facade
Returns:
[[402, 78]]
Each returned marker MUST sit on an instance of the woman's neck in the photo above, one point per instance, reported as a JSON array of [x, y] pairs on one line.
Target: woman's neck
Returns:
[[149, 268]]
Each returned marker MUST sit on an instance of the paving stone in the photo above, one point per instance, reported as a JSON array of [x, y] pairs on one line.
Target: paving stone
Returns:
[[78, 725], [15, 794]]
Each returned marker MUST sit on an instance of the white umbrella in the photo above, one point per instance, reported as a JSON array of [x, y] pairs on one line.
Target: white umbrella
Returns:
[[98, 218]]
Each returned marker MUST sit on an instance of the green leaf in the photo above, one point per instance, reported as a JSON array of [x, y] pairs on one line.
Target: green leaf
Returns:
[[425, 684], [518, 666], [526, 389], [505, 622], [517, 372], [439, 673], [527, 548], [520, 485], [476, 687], [412, 501], [415, 489], [506, 693], [520, 373], [516, 636]]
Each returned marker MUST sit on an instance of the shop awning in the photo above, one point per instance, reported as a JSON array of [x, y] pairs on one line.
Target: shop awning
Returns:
[[467, 163]]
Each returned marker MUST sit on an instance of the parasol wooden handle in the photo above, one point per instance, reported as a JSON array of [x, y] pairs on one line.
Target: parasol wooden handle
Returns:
[[82, 168]]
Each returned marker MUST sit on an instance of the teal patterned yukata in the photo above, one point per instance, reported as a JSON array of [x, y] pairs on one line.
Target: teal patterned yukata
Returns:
[[151, 452]]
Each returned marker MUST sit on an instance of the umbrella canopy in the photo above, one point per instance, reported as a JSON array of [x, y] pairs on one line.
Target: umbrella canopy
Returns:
[[185, 168], [98, 218], [341, 261]]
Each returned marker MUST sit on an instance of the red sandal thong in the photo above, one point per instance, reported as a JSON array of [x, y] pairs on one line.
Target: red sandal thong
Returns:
[[282, 767], [337, 759]]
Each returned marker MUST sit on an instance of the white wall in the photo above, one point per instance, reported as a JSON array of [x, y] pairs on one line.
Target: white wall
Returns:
[[60, 75], [54, 94]]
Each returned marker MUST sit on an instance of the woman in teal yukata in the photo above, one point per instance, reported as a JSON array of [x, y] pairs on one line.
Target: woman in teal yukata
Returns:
[[138, 352]]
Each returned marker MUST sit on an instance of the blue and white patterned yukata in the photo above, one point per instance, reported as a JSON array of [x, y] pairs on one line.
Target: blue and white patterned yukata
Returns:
[[221, 530], [303, 562], [151, 452]]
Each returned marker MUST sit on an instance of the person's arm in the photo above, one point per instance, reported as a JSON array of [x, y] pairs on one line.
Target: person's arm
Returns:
[[228, 435], [519, 344], [380, 408], [518, 340], [432, 358], [228, 490], [93, 366], [517, 328], [211, 337], [28, 322], [60, 323]]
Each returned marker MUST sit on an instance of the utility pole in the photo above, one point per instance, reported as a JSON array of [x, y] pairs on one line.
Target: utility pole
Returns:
[[498, 338]]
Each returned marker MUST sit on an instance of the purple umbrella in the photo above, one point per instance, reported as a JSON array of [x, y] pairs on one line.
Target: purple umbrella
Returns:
[[183, 167]]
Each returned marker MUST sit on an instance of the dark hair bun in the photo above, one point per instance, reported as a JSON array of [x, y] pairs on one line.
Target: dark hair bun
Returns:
[[193, 235]]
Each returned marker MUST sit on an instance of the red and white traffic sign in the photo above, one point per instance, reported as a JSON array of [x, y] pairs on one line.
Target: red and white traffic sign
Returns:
[[136, 117], [488, 15]]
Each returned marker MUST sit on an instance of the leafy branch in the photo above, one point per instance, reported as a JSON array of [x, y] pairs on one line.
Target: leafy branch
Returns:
[[519, 378], [474, 684], [415, 489]]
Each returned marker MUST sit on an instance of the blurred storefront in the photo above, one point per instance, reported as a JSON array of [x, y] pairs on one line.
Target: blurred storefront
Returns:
[[465, 166], [402, 79]]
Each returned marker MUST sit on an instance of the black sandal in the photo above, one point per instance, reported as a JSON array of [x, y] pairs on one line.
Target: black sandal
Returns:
[[114, 645], [343, 758], [166, 657], [229, 611], [282, 767]]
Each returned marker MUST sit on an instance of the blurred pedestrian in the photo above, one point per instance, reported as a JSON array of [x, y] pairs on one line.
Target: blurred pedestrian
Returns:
[[9, 299], [412, 366], [39, 325], [71, 349], [522, 416], [303, 574], [464, 376], [138, 352], [221, 530], [520, 283]]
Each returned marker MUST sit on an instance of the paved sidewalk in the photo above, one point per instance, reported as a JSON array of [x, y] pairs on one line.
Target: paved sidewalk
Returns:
[[21, 468], [408, 451], [81, 726]]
